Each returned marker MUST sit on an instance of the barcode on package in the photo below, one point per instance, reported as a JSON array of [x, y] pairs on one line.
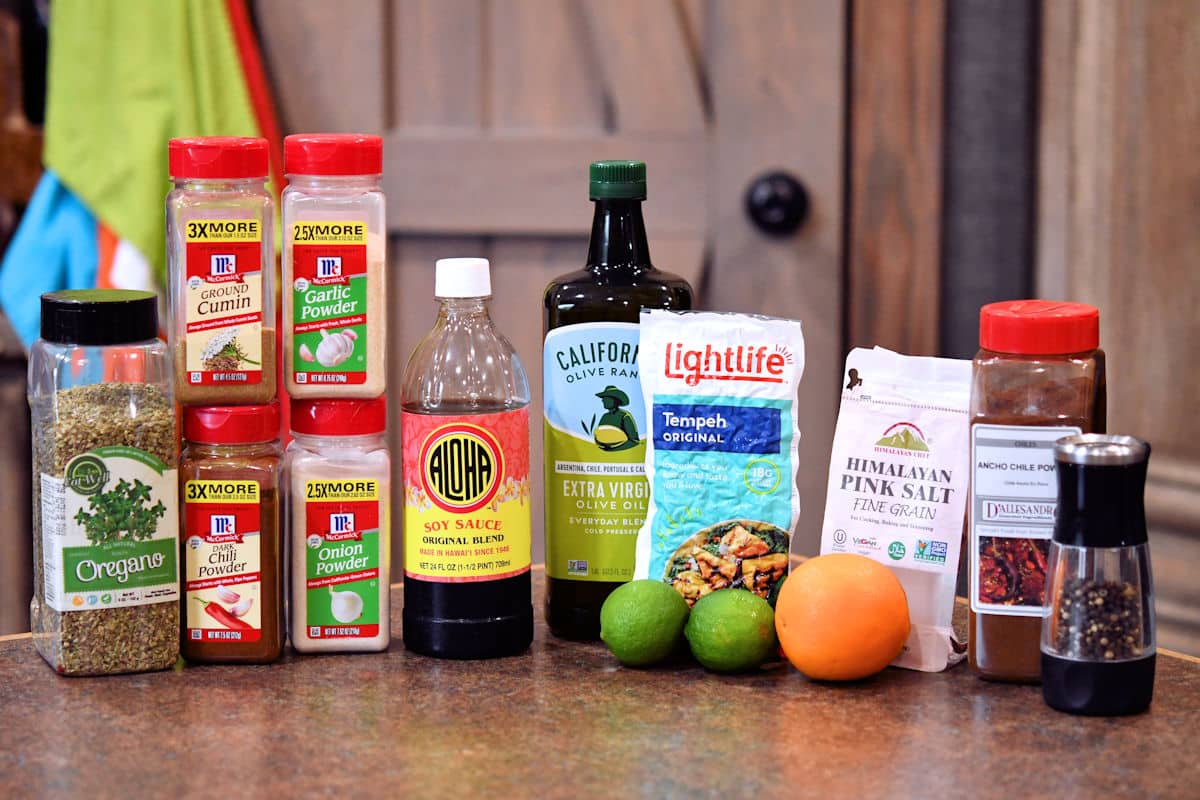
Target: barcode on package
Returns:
[[53, 510]]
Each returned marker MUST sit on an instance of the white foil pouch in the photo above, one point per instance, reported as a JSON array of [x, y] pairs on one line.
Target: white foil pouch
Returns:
[[898, 485], [721, 457]]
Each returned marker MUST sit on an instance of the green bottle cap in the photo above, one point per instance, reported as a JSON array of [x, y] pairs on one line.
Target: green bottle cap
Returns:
[[617, 179]]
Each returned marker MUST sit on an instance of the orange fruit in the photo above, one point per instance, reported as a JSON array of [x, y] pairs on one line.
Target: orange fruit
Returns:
[[841, 617]]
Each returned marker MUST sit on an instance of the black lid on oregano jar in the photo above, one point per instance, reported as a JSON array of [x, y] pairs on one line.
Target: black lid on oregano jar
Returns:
[[99, 316], [1101, 482]]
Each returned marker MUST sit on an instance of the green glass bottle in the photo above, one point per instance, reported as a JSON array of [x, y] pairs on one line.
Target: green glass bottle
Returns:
[[594, 419]]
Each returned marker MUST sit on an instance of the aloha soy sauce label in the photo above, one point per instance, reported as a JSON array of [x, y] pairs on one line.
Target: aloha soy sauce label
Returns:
[[595, 450], [329, 302], [222, 554], [466, 496], [223, 304], [342, 557], [110, 531]]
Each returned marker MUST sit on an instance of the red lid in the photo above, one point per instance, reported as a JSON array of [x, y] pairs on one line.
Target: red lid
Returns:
[[229, 157], [1039, 327], [231, 424], [332, 154], [339, 417]]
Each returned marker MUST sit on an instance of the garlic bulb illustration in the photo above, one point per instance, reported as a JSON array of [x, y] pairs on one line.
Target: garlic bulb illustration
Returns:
[[240, 608], [306, 354], [345, 606], [226, 595], [334, 347]]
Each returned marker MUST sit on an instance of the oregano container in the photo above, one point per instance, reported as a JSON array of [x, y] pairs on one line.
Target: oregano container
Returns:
[[105, 491]]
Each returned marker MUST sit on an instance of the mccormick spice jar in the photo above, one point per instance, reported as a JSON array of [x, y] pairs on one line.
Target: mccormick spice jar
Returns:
[[221, 265], [232, 605], [335, 323], [105, 492], [338, 475], [1098, 632], [1039, 376]]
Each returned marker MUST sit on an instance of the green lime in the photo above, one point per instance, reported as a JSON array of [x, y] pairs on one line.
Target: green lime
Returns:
[[731, 630], [642, 622]]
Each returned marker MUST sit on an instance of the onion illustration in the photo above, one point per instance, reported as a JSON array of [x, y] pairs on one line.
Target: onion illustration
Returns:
[[345, 606]]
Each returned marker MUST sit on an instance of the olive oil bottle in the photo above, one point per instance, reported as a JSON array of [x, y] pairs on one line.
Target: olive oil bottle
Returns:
[[465, 427], [594, 420]]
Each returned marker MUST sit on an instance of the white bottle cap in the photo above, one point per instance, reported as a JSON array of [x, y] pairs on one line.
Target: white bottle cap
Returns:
[[462, 277]]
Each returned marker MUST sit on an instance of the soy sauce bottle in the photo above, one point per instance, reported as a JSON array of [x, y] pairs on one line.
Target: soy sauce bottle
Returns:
[[465, 427], [594, 418]]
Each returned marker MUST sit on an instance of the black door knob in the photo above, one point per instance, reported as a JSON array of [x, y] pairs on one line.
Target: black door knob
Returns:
[[778, 203]]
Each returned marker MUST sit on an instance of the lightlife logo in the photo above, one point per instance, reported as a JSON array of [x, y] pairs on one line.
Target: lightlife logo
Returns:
[[758, 364]]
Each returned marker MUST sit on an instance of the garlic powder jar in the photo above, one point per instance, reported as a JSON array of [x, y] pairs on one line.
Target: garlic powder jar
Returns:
[[334, 323], [338, 515]]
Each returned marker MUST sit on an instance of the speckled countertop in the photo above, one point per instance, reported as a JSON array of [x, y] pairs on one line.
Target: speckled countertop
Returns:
[[566, 721]]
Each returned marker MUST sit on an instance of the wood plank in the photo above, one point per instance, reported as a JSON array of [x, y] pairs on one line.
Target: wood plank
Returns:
[[438, 49], [521, 268], [1125, 81], [20, 142], [327, 63], [775, 73], [541, 73], [651, 88], [895, 174], [455, 183]]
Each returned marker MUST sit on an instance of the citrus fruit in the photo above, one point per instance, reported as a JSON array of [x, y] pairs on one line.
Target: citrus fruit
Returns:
[[841, 617], [731, 630], [642, 622]]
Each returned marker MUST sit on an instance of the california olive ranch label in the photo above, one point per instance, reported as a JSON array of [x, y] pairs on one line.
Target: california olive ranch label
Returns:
[[109, 531], [594, 433], [342, 519], [224, 304], [222, 560], [329, 302]]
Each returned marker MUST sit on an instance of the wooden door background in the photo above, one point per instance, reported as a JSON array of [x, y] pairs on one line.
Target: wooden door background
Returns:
[[492, 110], [1119, 226]]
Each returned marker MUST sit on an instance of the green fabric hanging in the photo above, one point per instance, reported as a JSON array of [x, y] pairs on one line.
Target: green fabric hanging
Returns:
[[124, 76]]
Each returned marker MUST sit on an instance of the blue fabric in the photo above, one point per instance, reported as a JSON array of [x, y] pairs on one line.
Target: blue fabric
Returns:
[[54, 248]]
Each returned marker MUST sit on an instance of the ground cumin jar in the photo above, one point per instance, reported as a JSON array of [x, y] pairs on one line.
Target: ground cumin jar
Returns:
[[1039, 376], [231, 540], [221, 269]]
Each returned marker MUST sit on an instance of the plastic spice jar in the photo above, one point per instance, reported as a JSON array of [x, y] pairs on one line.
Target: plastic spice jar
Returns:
[[335, 285], [1039, 376], [221, 265], [232, 605], [338, 475], [105, 492]]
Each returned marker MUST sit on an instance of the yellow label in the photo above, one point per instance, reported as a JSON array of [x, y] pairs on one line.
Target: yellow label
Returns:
[[339, 491], [466, 502], [223, 230], [222, 561], [221, 492], [332, 232]]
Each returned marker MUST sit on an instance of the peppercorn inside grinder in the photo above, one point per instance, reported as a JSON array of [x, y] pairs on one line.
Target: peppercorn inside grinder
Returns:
[[1098, 629]]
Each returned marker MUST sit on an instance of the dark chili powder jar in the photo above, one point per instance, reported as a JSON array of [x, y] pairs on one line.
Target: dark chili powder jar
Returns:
[[1039, 376], [231, 560]]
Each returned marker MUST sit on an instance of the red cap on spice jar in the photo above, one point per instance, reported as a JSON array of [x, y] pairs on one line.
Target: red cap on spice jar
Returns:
[[332, 154], [231, 424], [1039, 327], [217, 157], [339, 417]]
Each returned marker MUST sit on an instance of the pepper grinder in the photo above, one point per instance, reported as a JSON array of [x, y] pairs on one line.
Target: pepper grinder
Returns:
[[1098, 627]]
